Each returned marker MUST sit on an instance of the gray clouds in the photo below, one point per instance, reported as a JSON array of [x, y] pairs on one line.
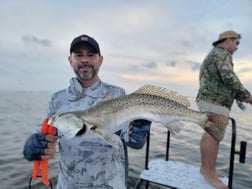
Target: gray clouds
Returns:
[[33, 40], [141, 42]]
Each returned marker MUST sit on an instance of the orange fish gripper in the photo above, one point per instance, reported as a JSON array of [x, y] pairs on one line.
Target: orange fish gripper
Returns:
[[40, 167]]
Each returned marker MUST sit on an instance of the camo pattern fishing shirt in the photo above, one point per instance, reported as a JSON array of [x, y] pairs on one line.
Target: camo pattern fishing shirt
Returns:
[[218, 83]]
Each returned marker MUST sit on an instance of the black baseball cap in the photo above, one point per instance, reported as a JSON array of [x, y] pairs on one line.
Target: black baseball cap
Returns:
[[87, 40]]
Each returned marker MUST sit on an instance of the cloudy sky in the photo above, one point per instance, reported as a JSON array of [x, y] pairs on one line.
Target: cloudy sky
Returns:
[[161, 42]]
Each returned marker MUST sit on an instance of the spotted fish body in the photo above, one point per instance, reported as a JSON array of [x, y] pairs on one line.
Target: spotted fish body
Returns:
[[152, 103]]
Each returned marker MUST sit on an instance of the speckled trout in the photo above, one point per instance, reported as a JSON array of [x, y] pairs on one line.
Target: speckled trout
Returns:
[[158, 105]]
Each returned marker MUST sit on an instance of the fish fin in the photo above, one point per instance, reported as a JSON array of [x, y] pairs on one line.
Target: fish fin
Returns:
[[174, 127], [96, 133], [162, 92], [109, 96]]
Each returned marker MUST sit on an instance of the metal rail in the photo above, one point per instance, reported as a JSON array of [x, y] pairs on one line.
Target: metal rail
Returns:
[[233, 152]]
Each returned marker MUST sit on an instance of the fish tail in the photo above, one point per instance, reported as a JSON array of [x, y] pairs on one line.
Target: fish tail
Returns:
[[42, 165], [174, 127]]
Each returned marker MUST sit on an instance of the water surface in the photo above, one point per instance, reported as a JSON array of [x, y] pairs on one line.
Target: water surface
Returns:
[[20, 112]]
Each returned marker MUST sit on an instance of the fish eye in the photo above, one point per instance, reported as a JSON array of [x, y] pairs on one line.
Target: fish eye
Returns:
[[93, 128]]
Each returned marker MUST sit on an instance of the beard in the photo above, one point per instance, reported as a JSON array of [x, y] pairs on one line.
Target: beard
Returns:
[[86, 75]]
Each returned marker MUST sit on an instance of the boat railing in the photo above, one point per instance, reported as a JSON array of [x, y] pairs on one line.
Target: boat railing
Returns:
[[151, 178]]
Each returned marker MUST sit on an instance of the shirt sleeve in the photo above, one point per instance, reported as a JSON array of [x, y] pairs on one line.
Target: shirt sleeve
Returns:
[[231, 80]]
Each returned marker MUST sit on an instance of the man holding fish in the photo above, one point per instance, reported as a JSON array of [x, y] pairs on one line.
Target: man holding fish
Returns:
[[87, 162]]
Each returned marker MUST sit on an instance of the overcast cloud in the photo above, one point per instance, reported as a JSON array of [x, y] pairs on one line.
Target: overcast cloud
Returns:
[[160, 42]]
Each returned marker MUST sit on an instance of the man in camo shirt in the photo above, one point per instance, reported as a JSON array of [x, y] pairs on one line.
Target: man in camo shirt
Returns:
[[219, 87]]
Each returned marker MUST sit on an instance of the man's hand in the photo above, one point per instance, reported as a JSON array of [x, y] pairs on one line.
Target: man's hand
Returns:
[[50, 149], [137, 133], [40, 146], [130, 127]]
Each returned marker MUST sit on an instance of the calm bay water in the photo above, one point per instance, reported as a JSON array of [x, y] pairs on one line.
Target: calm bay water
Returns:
[[21, 111]]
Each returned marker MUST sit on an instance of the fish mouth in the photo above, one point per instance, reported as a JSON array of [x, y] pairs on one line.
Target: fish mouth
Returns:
[[82, 131]]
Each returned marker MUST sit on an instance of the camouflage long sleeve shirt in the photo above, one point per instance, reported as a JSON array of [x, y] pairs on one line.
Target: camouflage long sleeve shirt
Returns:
[[218, 82]]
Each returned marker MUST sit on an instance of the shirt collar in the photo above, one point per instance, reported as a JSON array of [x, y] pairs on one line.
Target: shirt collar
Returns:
[[75, 91]]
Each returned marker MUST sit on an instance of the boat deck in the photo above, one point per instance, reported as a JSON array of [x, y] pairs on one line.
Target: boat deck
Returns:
[[176, 174]]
